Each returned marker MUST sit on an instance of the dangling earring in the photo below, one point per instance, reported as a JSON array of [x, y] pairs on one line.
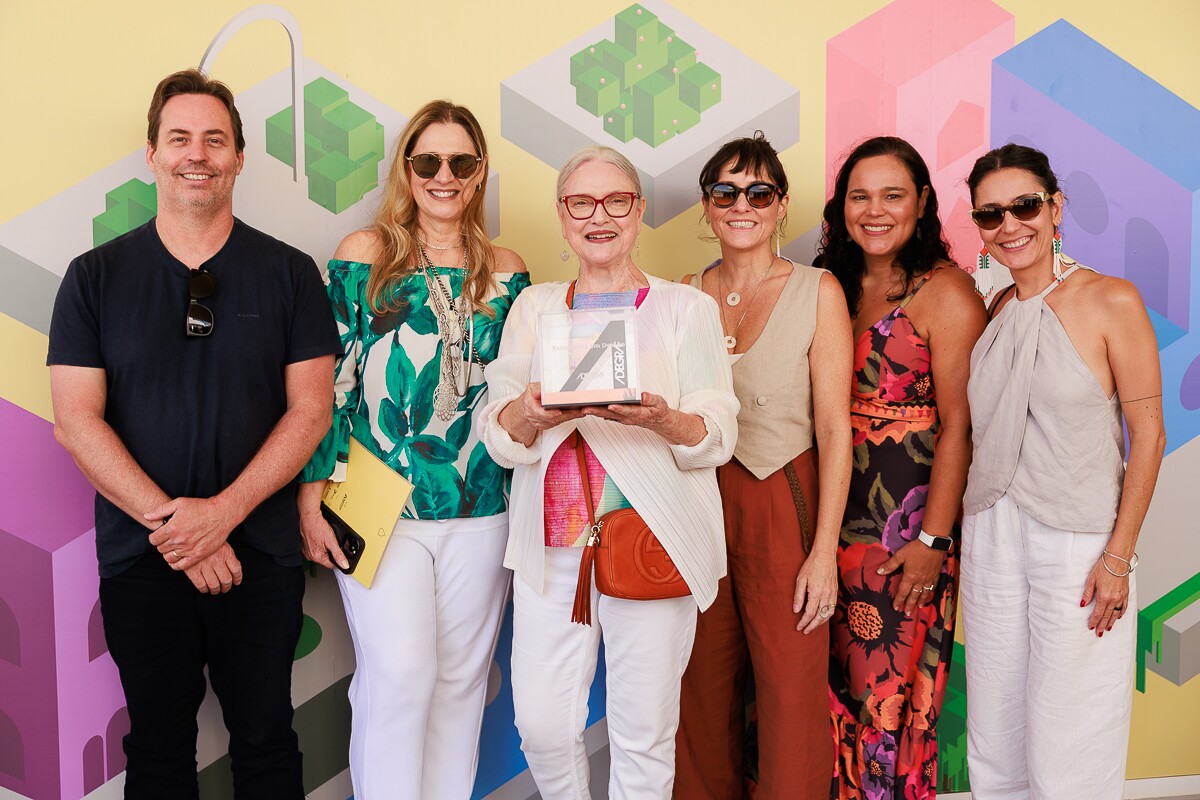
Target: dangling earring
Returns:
[[1058, 271], [983, 275], [637, 248], [564, 255], [778, 238]]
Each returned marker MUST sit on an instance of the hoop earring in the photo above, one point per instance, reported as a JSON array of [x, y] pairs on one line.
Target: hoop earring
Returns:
[[564, 255], [1058, 271], [983, 275]]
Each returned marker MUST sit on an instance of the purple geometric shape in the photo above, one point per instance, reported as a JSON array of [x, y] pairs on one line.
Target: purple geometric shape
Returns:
[[1189, 387], [1093, 113], [1128, 143], [49, 581]]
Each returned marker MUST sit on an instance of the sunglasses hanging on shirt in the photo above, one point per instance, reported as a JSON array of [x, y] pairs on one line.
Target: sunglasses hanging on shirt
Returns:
[[201, 286]]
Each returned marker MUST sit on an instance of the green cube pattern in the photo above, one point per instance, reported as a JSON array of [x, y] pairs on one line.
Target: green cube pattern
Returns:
[[343, 145], [128, 206], [646, 83]]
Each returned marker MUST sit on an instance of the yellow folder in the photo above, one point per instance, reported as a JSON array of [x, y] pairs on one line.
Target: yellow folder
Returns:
[[367, 505]]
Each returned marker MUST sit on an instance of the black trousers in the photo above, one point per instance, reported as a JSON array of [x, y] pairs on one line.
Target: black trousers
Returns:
[[162, 632]]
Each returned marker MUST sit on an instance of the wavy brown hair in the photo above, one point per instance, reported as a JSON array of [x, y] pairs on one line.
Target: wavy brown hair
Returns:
[[842, 256], [396, 221]]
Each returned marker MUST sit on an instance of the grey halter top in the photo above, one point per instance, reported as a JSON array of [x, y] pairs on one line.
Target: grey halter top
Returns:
[[1044, 432]]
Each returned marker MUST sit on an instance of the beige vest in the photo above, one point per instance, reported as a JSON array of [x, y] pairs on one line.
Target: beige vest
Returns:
[[772, 380]]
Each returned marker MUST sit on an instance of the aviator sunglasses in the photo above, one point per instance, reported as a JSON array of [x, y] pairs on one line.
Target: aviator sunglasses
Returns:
[[426, 165], [758, 194], [1024, 208], [201, 285]]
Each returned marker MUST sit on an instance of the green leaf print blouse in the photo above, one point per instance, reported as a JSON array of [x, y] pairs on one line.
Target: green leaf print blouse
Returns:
[[383, 394]]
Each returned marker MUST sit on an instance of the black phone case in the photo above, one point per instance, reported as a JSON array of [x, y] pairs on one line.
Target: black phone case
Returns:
[[351, 543]]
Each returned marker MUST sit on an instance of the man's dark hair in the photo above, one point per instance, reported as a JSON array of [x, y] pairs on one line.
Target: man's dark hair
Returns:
[[191, 81]]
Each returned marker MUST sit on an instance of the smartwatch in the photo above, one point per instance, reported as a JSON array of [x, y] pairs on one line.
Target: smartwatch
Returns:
[[936, 542]]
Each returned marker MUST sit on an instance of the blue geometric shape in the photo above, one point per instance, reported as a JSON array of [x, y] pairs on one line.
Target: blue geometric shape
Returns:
[[1129, 146], [1132, 109], [1165, 331]]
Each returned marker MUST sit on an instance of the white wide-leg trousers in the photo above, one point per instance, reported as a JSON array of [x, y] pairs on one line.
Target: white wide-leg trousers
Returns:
[[1048, 702], [646, 643], [424, 635]]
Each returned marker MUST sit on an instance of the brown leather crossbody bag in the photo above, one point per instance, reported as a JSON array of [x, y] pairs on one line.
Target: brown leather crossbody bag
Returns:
[[628, 560]]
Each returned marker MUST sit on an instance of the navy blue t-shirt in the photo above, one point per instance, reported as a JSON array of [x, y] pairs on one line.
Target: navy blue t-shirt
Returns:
[[193, 411]]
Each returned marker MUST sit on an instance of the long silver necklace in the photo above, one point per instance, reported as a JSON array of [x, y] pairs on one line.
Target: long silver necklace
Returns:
[[733, 298], [453, 335]]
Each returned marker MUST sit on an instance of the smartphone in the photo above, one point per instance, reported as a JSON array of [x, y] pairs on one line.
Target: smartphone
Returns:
[[351, 543]]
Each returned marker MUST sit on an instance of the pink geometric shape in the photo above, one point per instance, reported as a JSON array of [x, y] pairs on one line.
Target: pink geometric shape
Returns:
[[49, 580], [919, 69], [961, 134]]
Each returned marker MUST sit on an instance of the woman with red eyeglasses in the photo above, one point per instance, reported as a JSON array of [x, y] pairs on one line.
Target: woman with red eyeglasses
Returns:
[[575, 465], [787, 338], [1052, 509], [420, 299], [915, 319]]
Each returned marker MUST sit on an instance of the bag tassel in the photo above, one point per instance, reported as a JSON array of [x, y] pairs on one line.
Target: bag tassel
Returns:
[[581, 612]]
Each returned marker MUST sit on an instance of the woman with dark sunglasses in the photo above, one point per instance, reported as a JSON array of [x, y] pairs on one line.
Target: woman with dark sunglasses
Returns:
[[658, 457], [915, 319], [420, 299], [787, 338], [1052, 511]]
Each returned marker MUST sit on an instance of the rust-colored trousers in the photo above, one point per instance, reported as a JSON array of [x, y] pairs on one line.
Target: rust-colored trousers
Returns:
[[751, 624]]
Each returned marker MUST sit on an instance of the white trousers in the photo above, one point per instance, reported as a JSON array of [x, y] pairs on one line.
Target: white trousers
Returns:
[[424, 635], [1048, 702], [646, 643]]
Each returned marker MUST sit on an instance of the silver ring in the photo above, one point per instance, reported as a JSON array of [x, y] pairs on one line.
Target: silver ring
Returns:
[[176, 554], [825, 611], [917, 589], [929, 588]]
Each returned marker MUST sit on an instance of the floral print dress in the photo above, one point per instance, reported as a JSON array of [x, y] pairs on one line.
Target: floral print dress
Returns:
[[888, 672]]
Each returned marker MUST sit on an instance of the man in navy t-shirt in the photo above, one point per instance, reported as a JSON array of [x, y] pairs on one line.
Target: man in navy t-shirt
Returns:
[[192, 377]]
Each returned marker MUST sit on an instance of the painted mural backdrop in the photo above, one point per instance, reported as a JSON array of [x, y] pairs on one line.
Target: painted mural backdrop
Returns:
[[665, 84]]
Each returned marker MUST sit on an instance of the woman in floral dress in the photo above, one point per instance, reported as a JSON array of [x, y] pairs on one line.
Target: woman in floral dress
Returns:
[[420, 300], [915, 321]]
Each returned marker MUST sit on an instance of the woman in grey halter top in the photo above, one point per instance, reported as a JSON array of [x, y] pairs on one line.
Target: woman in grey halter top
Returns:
[[1052, 511]]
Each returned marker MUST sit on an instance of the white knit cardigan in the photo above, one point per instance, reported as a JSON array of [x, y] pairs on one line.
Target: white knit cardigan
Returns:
[[674, 487]]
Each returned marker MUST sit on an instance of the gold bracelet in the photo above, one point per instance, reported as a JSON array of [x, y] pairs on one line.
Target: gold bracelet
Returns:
[[1131, 565]]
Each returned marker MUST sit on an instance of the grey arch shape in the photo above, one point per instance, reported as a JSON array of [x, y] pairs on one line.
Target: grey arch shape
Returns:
[[292, 27]]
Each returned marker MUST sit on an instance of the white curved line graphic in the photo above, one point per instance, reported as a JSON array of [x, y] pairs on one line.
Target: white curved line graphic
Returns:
[[289, 23]]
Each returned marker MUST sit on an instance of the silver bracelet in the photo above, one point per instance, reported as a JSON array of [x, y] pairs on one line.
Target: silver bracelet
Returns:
[[1131, 565]]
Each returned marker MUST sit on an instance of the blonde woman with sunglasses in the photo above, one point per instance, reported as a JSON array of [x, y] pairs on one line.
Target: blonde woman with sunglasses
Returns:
[[420, 300], [1052, 510]]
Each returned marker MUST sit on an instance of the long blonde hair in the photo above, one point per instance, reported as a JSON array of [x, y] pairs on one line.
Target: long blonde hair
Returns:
[[396, 221]]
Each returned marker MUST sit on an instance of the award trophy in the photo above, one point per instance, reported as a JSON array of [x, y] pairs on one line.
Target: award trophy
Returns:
[[588, 357]]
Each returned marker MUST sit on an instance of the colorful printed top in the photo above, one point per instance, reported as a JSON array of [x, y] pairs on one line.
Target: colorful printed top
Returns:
[[565, 507], [384, 387]]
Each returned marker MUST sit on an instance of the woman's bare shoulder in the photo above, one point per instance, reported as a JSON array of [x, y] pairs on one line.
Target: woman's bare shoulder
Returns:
[[362, 246], [508, 260]]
